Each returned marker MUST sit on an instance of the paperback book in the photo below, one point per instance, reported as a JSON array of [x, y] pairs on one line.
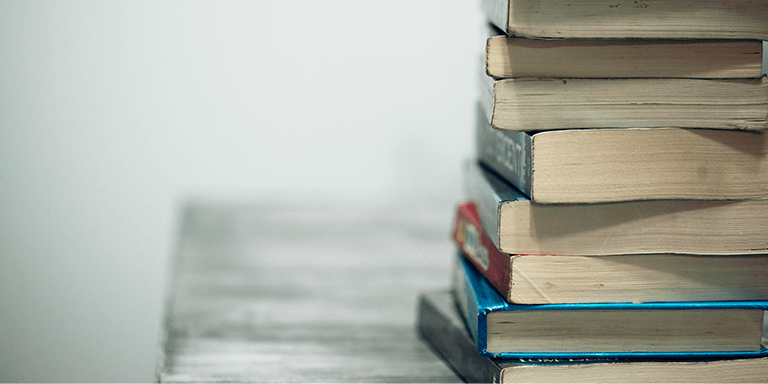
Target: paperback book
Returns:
[[517, 57], [539, 104], [711, 19], [604, 165], [659, 330], [548, 279]]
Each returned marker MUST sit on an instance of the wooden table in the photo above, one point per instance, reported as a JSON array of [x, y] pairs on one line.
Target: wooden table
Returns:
[[304, 293]]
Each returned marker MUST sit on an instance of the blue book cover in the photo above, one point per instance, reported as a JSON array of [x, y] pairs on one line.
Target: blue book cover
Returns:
[[661, 330]]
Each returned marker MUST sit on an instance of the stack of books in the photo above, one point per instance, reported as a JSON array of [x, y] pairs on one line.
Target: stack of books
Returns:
[[616, 222]]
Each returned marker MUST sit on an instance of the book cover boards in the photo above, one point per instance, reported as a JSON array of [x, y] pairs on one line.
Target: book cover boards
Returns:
[[539, 104], [556, 279], [517, 225], [603, 165], [518, 57], [441, 326], [711, 19], [708, 330]]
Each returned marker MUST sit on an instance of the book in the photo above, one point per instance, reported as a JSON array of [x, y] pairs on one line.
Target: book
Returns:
[[729, 329], [602, 165], [517, 225], [440, 325], [710, 19], [538, 104], [550, 279], [510, 56]]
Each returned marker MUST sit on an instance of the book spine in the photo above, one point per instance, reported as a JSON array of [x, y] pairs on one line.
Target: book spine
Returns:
[[476, 298], [488, 192], [497, 12], [466, 301], [478, 190], [507, 153], [486, 98], [440, 325], [468, 234]]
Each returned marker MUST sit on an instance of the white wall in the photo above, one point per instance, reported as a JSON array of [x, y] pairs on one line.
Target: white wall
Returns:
[[112, 113]]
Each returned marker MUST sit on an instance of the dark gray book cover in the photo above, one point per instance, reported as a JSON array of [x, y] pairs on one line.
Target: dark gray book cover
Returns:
[[507, 153]]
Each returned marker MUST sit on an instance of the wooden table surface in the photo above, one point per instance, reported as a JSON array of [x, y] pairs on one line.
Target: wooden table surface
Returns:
[[305, 293]]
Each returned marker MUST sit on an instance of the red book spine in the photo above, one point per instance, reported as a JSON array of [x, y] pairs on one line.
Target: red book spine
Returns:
[[478, 248]]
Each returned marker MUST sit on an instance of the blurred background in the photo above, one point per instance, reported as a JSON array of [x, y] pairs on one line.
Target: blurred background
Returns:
[[113, 114]]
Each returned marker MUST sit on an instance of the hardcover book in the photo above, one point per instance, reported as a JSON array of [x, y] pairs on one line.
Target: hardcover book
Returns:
[[538, 104], [510, 57], [547, 279], [603, 165], [442, 327], [607, 330], [516, 225], [711, 19]]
